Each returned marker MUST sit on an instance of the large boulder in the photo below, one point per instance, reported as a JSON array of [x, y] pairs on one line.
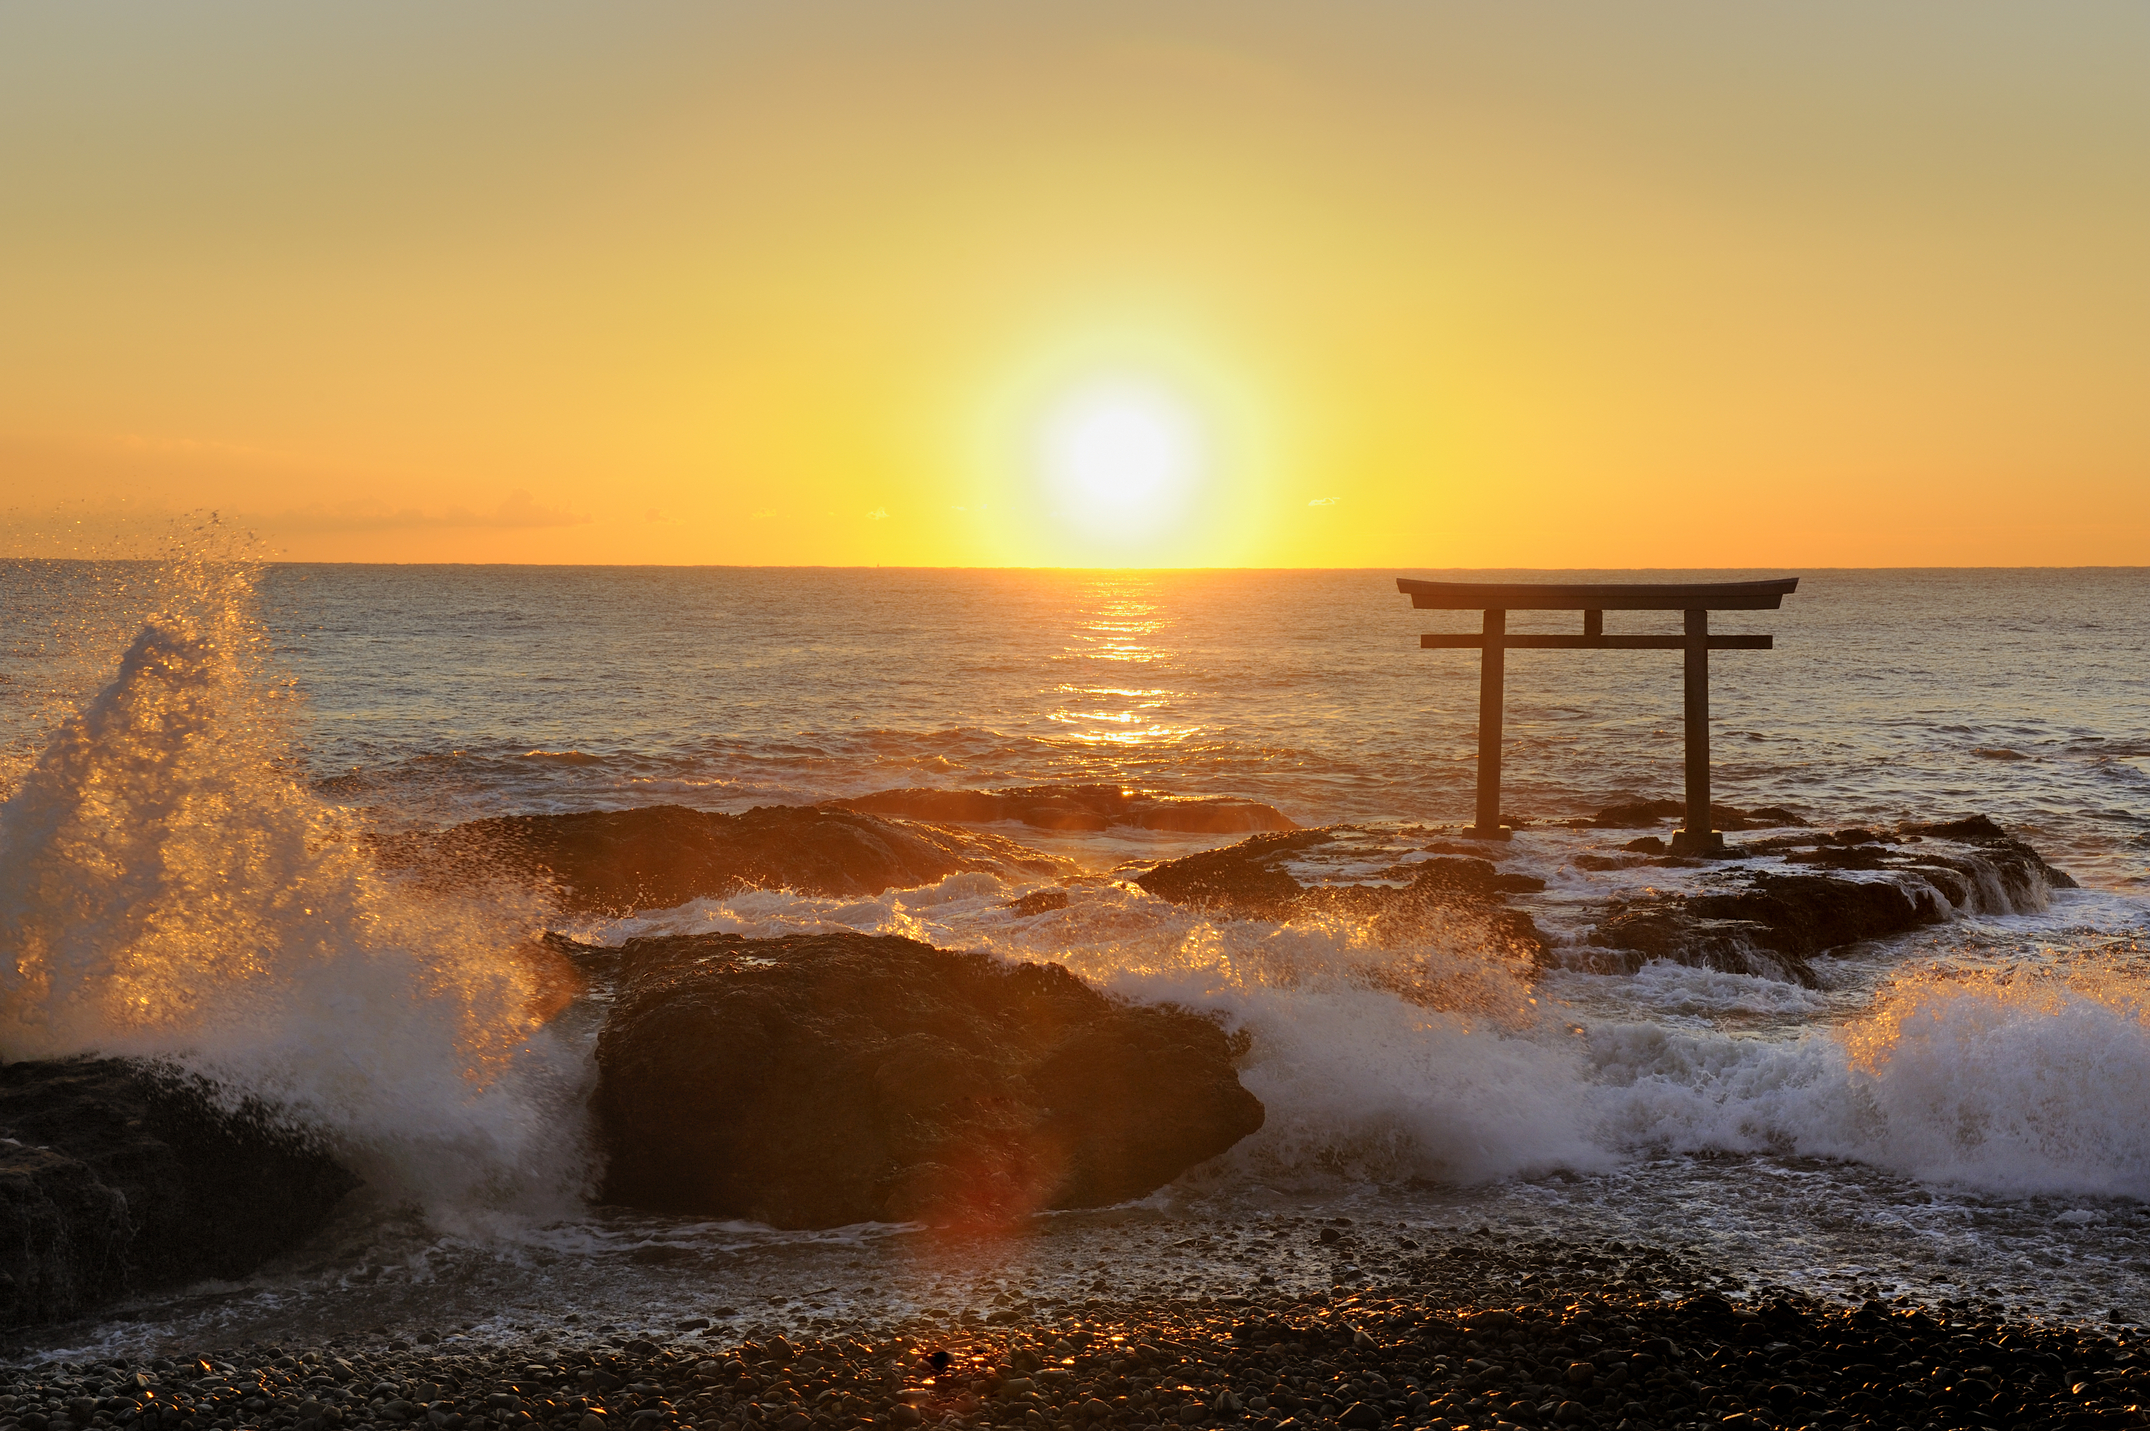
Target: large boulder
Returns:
[[1076, 807], [828, 1079], [118, 1176], [657, 856]]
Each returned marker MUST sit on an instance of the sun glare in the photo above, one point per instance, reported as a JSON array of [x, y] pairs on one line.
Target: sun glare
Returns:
[[1122, 459]]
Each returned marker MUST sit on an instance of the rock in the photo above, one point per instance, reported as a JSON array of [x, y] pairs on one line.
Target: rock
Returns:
[[657, 856], [127, 1176], [821, 1080], [1641, 814], [1246, 878], [1075, 807], [1039, 901], [62, 1236], [1249, 880], [1773, 924]]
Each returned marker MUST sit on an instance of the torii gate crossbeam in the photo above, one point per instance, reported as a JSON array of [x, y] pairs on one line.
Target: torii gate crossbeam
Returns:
[[1697, 599]]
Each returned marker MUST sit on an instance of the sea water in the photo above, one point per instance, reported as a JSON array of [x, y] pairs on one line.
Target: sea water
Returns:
[[193, 752]]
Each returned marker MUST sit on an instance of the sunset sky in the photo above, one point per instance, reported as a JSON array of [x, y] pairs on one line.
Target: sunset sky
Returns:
[[1342, 284]]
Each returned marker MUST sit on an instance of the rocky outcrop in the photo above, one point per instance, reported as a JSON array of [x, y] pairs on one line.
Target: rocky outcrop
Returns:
[[1642, 814], [117, 1176], [657, 856], [1773, 924], [1250, 880], [1075, 807], [829, 1079]]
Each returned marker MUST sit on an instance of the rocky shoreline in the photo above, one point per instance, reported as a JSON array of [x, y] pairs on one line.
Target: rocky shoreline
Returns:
[[1460, 1347], [1767, 908]]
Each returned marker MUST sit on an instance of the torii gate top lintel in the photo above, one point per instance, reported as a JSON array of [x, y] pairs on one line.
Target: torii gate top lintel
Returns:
[[1603, 596], [1697, 599]]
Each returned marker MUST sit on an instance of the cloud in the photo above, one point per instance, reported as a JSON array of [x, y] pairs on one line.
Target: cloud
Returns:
[[878, 514], [516, 512], [1322, 502]]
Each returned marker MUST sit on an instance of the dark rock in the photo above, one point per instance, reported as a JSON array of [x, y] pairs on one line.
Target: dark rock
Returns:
[[130, 1176], [657, 856], [1774, 924], [1637, 814], [1641, 814], [1074, 807], [821, 1080], [1771, 928], [1249, 880], [2019, 866], [1039, 901], [1246, 878], [62, 1236], [1971, 828]]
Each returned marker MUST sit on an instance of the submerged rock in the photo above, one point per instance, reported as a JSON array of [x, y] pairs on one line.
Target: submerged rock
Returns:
[[1075, 807], [118, 1176], [657, 856], [827, 1079], [1642, 814]]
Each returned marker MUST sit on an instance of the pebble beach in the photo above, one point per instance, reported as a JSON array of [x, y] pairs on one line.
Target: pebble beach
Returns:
[[1481, 1336]]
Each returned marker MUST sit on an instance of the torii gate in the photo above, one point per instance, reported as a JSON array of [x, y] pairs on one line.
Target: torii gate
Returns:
[[1497, 598]]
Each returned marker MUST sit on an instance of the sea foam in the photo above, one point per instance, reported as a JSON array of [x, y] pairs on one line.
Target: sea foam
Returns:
[[169, 889]]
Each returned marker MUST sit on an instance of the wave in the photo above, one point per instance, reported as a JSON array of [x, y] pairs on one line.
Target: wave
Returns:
[[170, 889], [1434, 1053], [2010, 1086]]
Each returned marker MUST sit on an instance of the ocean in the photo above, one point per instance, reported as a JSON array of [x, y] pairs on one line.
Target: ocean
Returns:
[[1955, 1113]]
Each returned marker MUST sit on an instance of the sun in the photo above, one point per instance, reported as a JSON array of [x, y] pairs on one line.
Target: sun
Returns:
[[1122, 458]]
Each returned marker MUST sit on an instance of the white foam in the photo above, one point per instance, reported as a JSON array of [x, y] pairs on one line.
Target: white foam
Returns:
[[1427, 1056], [2002, 1086], [169, 889]]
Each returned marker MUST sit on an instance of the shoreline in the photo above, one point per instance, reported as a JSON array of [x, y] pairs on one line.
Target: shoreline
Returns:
[[1418, 1355]]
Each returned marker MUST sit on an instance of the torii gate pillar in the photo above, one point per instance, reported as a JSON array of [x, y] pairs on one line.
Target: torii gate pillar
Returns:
[[1696, 600]]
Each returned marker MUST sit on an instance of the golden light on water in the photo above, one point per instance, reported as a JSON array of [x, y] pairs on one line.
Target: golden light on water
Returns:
[[1119, 626]]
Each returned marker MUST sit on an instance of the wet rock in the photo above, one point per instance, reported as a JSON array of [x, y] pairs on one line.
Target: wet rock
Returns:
[[62, 1236], [1773, 924], [830, 1079], [658, 856], [1642, 814], [1249, 880], [124, 1176], [1075, 807]]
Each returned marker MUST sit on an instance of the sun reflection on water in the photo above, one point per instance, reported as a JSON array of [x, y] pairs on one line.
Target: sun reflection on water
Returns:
[[1121, 625]]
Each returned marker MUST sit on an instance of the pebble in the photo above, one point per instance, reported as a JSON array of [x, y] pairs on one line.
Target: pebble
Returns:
[[1400, 1359]]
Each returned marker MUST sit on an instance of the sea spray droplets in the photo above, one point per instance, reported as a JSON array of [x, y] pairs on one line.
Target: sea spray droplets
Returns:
[[2018, 1084], [2005, 1084], [168, 889]]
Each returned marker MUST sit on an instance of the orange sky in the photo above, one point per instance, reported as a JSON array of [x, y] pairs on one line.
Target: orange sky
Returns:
[[977, 283]]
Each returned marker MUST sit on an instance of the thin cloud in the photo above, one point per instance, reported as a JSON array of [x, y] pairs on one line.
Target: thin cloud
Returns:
[[878, 514], [1322, 502]]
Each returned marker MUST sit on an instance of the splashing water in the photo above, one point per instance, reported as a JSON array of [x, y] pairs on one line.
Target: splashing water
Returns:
[[169, 889]]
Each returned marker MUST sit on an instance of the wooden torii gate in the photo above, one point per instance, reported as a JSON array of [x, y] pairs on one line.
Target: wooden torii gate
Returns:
[[1497, 598]]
